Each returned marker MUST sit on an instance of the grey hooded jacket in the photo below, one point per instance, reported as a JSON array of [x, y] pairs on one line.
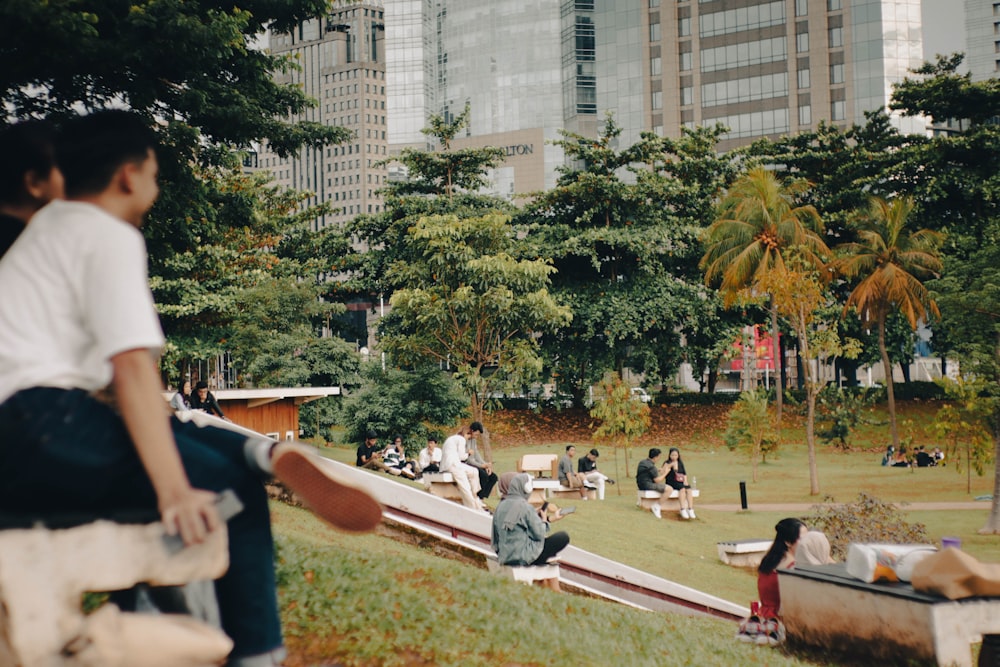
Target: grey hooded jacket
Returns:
[[518, 531]]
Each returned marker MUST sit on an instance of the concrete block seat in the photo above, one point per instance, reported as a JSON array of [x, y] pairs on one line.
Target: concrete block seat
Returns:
[[48, 562], [442, 485], [670, 502], [527, 574], [743, 553]]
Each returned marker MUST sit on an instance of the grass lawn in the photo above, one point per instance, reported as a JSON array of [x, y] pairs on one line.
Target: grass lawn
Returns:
[[401, 597]]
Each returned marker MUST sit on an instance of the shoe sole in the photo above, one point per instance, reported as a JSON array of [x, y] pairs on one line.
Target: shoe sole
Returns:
[[340, 505]]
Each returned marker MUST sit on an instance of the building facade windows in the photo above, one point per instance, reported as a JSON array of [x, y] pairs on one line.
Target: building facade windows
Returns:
[[744, 90], [836, 38], [744, 18], [837, 73], [757, 123], [838, 110], [743, 55], [802, 42], [802, 77], [805, 115]]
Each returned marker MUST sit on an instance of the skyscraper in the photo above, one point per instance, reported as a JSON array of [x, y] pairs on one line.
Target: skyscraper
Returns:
[[982, 38], [773, 67], [342, 61]]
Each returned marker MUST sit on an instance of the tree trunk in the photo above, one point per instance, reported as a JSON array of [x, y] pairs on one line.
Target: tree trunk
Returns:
[[887, 367], [811, 387], [776, 351], [992, 526]]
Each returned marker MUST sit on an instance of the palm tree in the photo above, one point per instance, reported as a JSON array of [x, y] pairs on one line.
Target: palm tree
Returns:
[[757, 223], [891, 263]]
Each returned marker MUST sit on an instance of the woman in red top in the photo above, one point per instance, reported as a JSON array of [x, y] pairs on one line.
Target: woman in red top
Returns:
[[781, 554], [764, 625]]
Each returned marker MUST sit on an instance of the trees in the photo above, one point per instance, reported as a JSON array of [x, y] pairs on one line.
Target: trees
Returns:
[[191, 68], [621, 228], [248, 287], [749, 427], [465, 302], [622, 418], [192, 63], [890, 263], [439, 182], [757, 222]]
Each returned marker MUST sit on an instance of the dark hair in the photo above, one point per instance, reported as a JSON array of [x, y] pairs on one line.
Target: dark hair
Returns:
[[397, 437], [786, 534], [91, 148], [680, 462], [654, 452], [569, 447], [201, 385], [432, 438], [476, 426], [371, 435], [594, 452], [25, 147]]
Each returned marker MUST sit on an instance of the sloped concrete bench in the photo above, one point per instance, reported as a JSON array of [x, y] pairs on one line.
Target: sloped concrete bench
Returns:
[[527, 574], [442, 485], [646, 499], [824, 606], [44, 572]]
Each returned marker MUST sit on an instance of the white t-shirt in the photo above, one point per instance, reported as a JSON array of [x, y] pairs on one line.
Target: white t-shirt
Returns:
[[74, 292], [425, 458]]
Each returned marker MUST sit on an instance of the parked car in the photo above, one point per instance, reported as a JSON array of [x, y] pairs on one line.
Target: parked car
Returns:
[[640, 394]]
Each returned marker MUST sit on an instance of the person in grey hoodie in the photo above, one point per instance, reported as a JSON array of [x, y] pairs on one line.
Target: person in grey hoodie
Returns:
[[519, 533]]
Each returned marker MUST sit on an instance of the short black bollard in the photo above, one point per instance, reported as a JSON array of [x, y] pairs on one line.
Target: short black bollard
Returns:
[[743, 495]]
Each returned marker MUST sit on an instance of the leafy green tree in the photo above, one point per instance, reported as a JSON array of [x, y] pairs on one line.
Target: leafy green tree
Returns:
[[963, 424], [959, 194], [623, 419], [193, 69], [248, 287], [411, 403], [749, 427], [191, 62], [445, 181], [465, 302], [621, 227], [840, 411], [890, 263], [758, 221]]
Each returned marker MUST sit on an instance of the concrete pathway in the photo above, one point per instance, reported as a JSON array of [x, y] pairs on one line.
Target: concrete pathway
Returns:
[[806, 507]]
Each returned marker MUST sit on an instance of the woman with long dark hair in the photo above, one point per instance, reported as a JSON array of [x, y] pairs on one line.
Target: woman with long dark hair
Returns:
[[764, 625], [677, 479], [781, 554]]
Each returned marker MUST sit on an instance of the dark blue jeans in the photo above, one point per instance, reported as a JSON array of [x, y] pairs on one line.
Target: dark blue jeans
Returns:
[[61, 450]]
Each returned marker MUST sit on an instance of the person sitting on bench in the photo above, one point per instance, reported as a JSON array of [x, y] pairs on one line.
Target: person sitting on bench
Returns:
[[518, 536]]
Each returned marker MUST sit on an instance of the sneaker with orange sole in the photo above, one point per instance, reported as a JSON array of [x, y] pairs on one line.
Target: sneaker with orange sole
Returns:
[[339, 504]]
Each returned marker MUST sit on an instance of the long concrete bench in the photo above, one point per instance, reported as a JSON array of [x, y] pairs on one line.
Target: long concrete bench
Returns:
[[824, 606], [671, 502]]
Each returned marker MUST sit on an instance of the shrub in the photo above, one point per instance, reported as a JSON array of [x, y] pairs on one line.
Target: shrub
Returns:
[[696, 398], [868, 519]]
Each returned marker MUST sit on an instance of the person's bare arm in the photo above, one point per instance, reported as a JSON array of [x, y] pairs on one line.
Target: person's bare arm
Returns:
[[183, 509]]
